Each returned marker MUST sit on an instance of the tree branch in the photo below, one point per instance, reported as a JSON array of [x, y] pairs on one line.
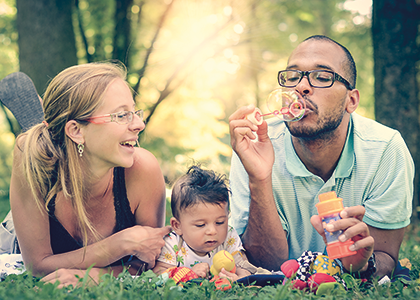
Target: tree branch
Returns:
[[82, 31], [150, 49]]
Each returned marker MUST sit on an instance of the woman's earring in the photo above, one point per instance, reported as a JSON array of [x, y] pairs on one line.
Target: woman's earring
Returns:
[[80, 149]]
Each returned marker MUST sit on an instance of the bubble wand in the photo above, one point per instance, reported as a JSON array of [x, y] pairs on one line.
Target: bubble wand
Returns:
[[284, 103]]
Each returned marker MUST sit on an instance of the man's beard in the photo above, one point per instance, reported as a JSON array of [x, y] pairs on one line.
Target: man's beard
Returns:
[[324, 128]]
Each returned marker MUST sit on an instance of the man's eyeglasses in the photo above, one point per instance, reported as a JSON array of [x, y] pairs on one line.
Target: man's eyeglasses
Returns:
[[316, 78], [123, 117]]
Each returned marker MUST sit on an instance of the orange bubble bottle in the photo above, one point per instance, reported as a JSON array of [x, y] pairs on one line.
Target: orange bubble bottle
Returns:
[[329, 208]]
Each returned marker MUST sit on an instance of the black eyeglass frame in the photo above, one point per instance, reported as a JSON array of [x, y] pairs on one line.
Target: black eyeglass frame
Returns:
[[306, 73]]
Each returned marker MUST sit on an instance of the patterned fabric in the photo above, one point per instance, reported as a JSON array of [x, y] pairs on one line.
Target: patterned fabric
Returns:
[[323, 264], [11, 264], [184, 256], [315, 262], [305, 262], [375, 166], [181, 274]]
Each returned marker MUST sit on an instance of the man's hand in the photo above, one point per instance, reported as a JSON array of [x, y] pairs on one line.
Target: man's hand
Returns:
[[264, 238], [355, 229], [257, 157]]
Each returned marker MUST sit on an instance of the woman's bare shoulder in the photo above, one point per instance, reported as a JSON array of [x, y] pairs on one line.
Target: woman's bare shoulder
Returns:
[[145, 169], [146, 189], [144, 162]]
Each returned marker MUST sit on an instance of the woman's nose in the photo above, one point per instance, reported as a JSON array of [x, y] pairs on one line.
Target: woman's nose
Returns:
[[137, 124]]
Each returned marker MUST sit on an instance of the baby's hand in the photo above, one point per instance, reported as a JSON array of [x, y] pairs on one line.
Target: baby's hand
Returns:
[[201, 269], [225, 274]]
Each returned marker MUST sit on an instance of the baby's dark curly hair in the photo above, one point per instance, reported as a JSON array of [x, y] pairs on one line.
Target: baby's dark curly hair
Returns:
[[199, 186]]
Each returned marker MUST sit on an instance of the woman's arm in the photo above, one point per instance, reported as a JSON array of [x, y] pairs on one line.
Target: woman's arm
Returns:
[[32, 229], [74, 277]]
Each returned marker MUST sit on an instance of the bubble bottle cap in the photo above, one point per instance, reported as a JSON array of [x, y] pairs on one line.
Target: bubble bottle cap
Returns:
[[330, 204], [340, 249]]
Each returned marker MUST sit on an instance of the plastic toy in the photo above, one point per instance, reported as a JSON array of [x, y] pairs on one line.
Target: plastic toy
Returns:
[[221, 283], [329, 208], [314, 272], [180, 274], [222, 259], [284, 103]]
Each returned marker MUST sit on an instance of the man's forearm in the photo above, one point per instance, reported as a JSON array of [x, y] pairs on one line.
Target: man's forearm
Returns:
[[264, 238], [387, 248]]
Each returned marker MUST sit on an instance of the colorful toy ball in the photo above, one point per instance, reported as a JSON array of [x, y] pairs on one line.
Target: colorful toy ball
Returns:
[[290, 267], [222, 284], [324, 264], [317, 279], [181, 274], [222, 259], [299, 284]]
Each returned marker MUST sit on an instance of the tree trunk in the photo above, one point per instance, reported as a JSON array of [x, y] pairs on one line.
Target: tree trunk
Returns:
[[394, 32], [46, 39], [122, 33]]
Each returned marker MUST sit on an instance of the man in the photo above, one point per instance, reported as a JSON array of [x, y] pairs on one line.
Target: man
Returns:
[[279, 169]]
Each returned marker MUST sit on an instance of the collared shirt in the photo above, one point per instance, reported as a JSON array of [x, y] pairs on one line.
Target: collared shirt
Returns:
[[375, 170]]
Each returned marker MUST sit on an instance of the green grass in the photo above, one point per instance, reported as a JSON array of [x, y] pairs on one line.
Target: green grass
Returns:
[[147, 285], [4, 207]]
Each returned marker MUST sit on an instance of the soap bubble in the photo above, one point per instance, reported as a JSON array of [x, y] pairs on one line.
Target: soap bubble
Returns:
[[286, 104]]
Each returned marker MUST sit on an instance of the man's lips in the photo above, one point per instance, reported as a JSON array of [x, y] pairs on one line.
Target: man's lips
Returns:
[[309, 104]]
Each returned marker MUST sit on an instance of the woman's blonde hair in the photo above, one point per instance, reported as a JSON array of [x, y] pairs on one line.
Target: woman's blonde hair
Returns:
[[50, 158]]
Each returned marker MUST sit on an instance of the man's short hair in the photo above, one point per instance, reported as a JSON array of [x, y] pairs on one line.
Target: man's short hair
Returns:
[[349, 65]]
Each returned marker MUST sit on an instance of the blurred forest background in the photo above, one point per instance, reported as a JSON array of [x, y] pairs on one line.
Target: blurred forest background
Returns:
[[194, 62]]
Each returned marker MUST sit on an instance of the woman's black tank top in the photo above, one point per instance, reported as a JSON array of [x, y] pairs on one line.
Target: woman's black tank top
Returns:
[[62, 241]]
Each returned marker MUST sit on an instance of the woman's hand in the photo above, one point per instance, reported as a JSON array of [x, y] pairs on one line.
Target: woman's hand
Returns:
[[73, 277], [147, 242], [355, 229]]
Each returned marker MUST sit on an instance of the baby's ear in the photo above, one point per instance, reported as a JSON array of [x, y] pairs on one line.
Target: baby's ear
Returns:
[[176, 226]]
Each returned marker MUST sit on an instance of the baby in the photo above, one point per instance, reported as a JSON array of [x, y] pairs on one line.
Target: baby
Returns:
[[200, 207]]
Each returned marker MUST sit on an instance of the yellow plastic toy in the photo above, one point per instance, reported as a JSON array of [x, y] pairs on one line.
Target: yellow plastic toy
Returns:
[[222, 259]]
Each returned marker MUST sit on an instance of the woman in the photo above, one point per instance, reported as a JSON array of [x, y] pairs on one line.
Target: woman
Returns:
[[81, 194]]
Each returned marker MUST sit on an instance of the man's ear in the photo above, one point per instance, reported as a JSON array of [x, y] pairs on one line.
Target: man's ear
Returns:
[[176, 226], [74, 132], [353, 103]]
